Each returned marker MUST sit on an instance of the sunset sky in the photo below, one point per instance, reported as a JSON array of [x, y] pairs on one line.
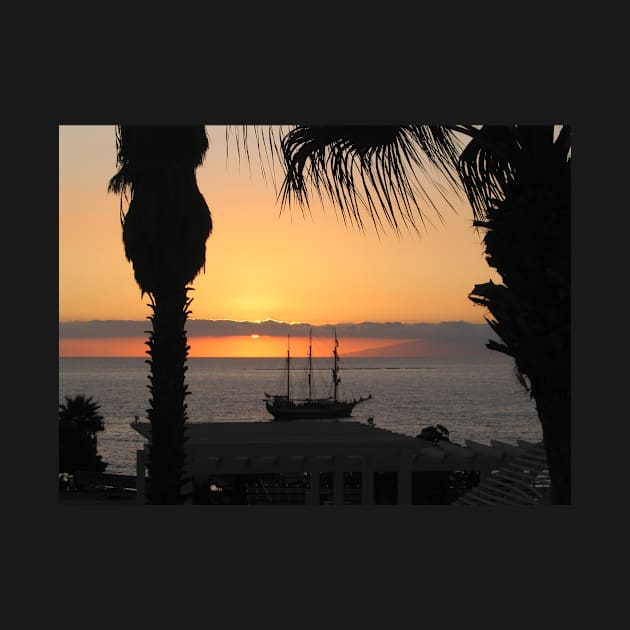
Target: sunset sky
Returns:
[[261, 264]]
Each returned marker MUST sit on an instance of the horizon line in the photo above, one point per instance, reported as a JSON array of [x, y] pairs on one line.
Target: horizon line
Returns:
[[279, 321]]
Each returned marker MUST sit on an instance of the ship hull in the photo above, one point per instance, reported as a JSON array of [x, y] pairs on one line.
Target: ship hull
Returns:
[[282, 409]]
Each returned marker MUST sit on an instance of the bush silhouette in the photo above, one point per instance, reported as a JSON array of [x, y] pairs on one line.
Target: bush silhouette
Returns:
[[79, 422]]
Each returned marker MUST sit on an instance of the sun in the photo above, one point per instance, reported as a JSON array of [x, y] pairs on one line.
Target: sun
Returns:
[[254, 336]]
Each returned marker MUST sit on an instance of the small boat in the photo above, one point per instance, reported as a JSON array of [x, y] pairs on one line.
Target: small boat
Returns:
[[283, 407]]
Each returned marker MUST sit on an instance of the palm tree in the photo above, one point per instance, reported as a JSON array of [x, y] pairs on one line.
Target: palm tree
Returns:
[[79, 422], [527, 241], [517, 179], [164, 232]]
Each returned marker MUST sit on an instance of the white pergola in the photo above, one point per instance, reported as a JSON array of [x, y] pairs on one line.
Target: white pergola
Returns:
[[337, 447], [522, 481]]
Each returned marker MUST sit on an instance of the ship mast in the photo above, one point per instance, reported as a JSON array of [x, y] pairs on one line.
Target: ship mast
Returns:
[[288, 369], [335, 371], [310, 362]]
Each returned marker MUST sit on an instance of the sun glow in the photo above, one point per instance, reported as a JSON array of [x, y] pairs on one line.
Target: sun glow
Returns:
[[250, 346], [261, 263]]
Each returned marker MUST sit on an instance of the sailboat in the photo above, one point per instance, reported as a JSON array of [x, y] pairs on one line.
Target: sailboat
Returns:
[[284, 407]]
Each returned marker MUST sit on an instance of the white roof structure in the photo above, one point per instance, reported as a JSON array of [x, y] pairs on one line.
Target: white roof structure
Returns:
[[273, 446], [524, 481]]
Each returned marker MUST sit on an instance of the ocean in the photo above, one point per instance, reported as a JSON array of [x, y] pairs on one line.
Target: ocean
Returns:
[[474, 398]]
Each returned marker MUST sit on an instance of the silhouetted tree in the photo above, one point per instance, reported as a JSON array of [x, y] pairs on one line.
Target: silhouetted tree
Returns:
[[165, 230], [527, 219], [434, 434], [517, 179], [79, 422]]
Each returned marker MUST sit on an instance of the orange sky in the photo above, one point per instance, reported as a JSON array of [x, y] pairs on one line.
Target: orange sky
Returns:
[[250, 346], [259, 264]]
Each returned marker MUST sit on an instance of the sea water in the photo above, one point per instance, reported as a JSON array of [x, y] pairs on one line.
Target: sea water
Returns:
[[474, 398]]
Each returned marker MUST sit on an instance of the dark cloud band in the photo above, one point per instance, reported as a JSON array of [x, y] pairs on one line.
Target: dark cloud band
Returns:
[[451, 332]]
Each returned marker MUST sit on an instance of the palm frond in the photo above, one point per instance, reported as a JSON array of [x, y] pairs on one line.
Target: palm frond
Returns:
[[486, 167], [368, 169], [267, 141], [167, 222], [498, 155], [139, 148]]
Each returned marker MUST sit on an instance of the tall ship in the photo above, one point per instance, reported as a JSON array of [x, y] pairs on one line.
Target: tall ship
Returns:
[[284, 407]]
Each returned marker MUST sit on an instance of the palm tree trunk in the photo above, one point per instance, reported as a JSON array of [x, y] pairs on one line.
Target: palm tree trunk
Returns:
[[168, 350], [554, 412]]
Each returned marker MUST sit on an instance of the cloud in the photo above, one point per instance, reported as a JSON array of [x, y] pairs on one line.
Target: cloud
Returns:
[[103, 329], [458, 332]]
